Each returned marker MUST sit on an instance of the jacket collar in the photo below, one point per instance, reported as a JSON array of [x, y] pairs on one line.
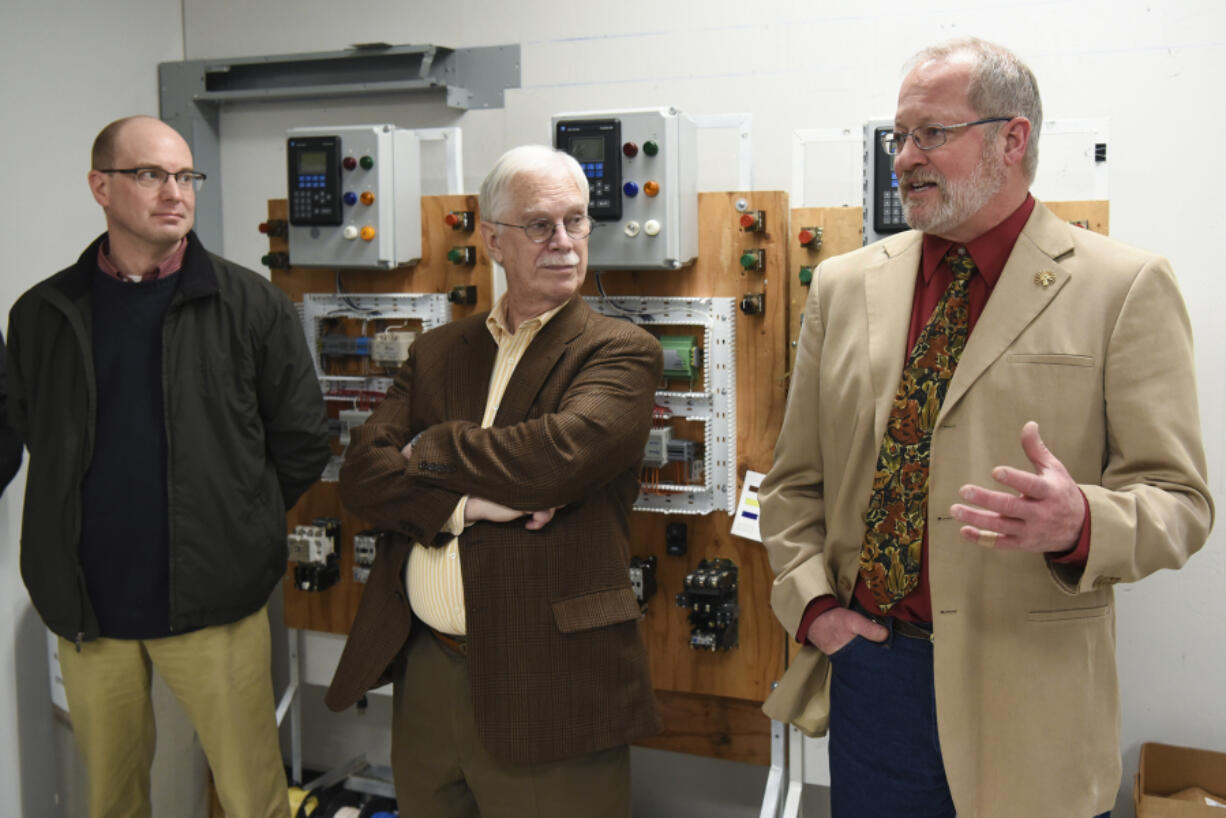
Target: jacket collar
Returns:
[[538, 361], [1031, 280], [198, 278], [1016, 301]]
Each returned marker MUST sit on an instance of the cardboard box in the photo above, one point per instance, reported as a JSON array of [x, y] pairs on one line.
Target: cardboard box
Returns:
[[1166, 771]]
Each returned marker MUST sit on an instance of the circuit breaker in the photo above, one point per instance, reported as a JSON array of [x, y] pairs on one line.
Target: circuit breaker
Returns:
[[365, 547], [641, 165], [354, 196]]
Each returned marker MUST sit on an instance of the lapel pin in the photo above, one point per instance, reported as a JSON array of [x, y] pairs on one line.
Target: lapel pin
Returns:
[[1045, 278]]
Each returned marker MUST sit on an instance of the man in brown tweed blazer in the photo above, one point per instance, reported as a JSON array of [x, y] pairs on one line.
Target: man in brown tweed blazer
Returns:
[[505, 461]]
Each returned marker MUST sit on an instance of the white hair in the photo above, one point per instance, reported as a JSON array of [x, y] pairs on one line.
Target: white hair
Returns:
[[534, 159]]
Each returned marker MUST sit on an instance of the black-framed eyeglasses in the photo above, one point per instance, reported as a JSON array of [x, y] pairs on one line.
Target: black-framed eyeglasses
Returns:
[[156, 177], [539, 231], [927, 137]]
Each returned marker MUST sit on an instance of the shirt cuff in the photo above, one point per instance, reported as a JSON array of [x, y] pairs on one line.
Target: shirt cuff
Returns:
[[817, 607], [455, 524], [1080, 553]]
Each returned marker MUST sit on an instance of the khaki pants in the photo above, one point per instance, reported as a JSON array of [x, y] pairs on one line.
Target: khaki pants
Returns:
[[442, 771], [221, 677]]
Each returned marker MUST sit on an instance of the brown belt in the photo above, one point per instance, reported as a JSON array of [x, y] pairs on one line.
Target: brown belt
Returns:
[[900, 626], [909, 629], [456, 644]]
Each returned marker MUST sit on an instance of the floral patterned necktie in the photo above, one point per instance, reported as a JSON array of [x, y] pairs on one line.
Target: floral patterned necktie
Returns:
[[897, 513]]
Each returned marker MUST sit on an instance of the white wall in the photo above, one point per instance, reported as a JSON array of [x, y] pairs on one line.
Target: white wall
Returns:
[[67, 68], [1153, 70]]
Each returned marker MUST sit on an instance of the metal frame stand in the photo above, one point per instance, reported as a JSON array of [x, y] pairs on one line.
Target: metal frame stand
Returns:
[[787, 763], [291, 702]]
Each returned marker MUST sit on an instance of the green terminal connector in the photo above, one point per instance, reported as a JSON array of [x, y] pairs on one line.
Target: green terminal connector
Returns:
[[682, 356]]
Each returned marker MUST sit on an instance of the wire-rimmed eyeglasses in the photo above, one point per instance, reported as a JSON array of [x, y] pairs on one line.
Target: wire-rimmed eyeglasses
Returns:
[[539, 231], [927, 137], [156, 177]]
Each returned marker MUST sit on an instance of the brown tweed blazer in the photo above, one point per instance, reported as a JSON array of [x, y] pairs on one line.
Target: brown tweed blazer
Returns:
[[556, 664]]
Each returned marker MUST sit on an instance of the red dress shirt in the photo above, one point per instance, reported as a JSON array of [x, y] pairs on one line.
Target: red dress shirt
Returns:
[[990, 252]]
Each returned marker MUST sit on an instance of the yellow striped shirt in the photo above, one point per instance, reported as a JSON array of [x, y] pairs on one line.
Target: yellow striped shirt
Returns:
[[432, 576]]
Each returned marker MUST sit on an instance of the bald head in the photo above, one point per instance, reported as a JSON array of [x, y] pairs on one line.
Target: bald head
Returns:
[[107, 140]]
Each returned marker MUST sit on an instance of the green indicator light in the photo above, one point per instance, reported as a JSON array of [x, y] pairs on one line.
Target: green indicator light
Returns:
[[806, 276], [366, 162], [651, 147], [749, 259]]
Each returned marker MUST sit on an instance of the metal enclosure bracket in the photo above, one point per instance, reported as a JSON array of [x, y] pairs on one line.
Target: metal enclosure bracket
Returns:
[[191, 92]]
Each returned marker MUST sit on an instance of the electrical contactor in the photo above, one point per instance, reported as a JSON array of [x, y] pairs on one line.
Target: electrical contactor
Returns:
[[710, 594], [314, 548]]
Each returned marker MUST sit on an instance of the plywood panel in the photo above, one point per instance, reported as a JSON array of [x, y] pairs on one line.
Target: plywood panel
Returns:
[[709, 700], [731, 729], [333, 610]]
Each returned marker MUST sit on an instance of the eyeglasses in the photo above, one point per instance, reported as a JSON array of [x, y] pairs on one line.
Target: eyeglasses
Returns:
[[927, 137], [156, 177], [539, 231]]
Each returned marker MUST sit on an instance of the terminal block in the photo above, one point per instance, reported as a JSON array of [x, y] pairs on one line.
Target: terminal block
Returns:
[[643, 578], [365, 546], [682, 356], [314, 548], [391, 348], [655, 454], [711, 597], [333, 346]]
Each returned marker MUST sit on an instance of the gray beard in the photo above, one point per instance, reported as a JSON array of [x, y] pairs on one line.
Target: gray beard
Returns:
[[959, 200]]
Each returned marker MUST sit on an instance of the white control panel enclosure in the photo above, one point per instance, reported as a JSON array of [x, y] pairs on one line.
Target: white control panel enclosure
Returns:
[[642, 167], [382, 161]]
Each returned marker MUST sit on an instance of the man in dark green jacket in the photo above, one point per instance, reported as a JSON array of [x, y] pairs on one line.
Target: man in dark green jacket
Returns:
[[170, 408]]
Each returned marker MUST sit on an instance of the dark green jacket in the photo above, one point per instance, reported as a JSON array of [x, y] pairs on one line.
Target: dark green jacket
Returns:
[[245, 427]]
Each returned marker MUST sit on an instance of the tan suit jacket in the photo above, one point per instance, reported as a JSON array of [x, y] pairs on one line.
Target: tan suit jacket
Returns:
[[1101, 357], [556, 665]]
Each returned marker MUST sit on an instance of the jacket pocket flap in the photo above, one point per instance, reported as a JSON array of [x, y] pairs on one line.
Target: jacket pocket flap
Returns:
[[1068, 614], [595, 610]]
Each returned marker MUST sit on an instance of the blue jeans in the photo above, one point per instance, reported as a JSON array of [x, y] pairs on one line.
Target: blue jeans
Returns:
[[885, 755]]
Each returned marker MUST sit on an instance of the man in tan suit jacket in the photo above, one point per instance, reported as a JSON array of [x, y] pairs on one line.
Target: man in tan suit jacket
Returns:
[[990, 690], [519, 673]]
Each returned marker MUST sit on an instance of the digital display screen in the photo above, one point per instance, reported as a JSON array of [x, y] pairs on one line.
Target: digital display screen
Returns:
[[587, 148], [313, 162]]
